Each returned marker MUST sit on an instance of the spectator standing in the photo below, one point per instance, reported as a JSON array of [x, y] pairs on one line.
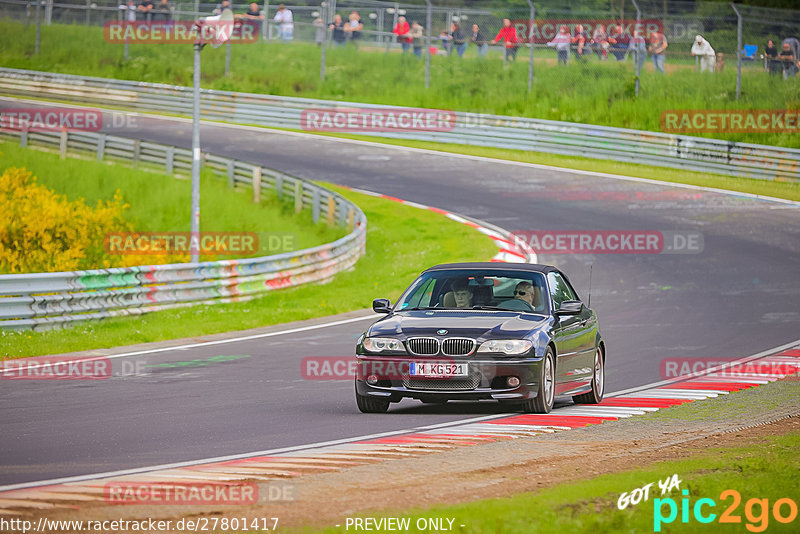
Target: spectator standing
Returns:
[[253, 16], [354, 27], [581, 42], [319, 36], [508, 34], [459, 40], [638, 46], [771, 55], [162, 12], [479, 41], [285, 21], [657, 48], [789, 60], [144, 10], [617, 41], [561, 42], [447, 41], [417, 35], [339, 35], [600, 42], [131, 11], [402, 30], [702, 49], [222, 6]]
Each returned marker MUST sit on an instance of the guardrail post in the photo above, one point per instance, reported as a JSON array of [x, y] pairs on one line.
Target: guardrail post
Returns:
[[256, 184], [279, 185], [231, 170], [351, 214], [101, 147], [739, 47], [331, 210], [62, 149], [23, 138], [315, 206], [298, 196], [88, 11], [170, 163], [136, 150]]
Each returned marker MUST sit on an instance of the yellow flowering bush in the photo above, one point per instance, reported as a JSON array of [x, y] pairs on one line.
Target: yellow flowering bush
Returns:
[[42, 231]]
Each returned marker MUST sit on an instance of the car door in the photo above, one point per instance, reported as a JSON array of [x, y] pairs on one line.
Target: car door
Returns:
[[571, 334]]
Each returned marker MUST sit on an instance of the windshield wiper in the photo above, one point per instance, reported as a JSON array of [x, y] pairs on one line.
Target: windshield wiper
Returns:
[[416, 308]]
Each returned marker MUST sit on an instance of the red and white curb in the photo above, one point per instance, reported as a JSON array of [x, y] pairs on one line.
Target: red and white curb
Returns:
[[282, 466], [510, 248]]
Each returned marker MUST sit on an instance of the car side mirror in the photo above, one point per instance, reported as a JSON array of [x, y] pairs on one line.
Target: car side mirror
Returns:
[[570, 307], [382, 306]]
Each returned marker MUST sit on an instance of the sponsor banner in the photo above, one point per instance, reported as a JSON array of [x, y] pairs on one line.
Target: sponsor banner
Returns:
[[51, 119], [56, 368], [680, 367], [542, 31], [611, 241], [166, 243], [377, 120], [179, 31], [175, 493], [731, 121]]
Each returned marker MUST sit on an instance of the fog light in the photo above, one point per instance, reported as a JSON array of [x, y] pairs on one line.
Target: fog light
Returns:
[[512, 381], [372, 380]]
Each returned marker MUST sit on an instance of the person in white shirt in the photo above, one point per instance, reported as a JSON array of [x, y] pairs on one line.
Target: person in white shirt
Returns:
[[702, 49], [283, 18]]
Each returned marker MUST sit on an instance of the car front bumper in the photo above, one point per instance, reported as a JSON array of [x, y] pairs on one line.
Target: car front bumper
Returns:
[[486, 380]]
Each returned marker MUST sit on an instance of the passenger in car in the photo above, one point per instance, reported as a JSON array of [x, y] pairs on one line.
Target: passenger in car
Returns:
[[462, 294]]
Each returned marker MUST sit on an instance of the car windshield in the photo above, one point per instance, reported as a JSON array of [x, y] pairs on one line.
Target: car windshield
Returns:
[[477, 289]]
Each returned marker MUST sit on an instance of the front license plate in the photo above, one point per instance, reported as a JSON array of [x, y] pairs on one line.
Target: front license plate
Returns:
[[439, 369]]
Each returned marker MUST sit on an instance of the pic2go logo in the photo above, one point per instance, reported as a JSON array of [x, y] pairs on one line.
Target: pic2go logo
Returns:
[[756, 511]]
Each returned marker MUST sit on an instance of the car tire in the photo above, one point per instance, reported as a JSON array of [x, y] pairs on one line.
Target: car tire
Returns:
[[545, 395], [371, 404], [595, 396]]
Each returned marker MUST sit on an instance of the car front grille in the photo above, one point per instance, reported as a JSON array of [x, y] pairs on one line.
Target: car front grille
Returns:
[[423, 346], [458, 346], [443, 384]]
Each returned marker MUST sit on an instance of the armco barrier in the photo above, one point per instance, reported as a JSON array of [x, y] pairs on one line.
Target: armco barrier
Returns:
[[48, 300], [600, 142]]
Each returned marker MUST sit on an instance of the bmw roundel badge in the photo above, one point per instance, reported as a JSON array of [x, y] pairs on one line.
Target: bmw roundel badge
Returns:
[[441, 332]]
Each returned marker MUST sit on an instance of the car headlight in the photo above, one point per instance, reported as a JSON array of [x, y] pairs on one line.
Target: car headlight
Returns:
[[381, 344], [506, 346]]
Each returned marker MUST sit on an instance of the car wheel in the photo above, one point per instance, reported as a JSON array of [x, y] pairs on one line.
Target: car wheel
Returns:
[[545, 395], [371, 404], [595, 396]]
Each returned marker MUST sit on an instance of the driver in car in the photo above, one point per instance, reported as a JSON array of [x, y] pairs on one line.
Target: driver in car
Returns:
[[524, 291], [462, 294]]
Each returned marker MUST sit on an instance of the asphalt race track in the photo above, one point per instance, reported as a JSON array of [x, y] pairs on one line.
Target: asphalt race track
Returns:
[[739, 296]]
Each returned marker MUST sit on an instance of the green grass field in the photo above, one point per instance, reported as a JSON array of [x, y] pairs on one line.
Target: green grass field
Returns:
[[387, 268], [160, 203], [594, 92]]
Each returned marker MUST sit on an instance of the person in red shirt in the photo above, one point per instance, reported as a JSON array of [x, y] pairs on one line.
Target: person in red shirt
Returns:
[[401, 30], [508, 34]]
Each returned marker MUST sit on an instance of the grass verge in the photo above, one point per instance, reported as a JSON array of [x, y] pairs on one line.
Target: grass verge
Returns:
[[592, 92], [401, 242]]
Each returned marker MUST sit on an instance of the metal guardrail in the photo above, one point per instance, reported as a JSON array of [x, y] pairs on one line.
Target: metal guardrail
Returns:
[[50, 300], [554, 137]]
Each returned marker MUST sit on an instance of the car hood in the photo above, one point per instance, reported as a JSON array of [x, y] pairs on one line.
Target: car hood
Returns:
[[471, 323]]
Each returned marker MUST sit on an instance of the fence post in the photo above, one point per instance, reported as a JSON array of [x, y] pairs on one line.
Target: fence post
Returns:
[[298, 196], [170, 163], [101, 147], [62, 149], [266, 20], [428, 22], [739, 46], [323, 11], [636, 50], [48, 13], [530, 42], [315, 206], [279, 185], [228, 58], [229, 170], [38, 27], [395, 16], [331, 210], [256, 184], [23, 138]]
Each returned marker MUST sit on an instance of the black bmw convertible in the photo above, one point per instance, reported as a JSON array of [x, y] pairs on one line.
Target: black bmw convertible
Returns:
[[515, 333]]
